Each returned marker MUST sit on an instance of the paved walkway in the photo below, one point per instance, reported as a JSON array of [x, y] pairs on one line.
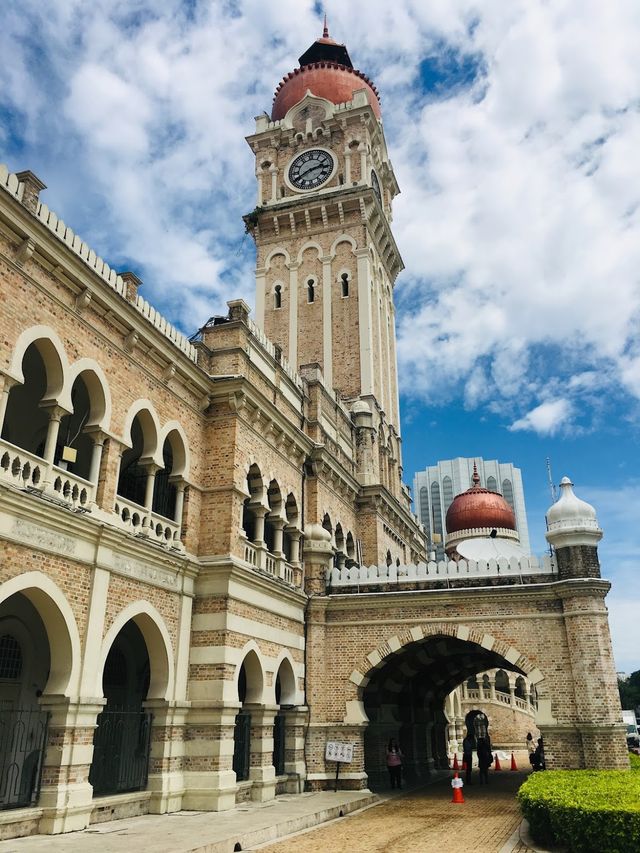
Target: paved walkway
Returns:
[[200, 832], [425, 821], [419, 821]]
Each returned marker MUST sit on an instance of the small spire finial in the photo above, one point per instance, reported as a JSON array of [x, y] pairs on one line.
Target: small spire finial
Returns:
[[325, 31], [476, 477]]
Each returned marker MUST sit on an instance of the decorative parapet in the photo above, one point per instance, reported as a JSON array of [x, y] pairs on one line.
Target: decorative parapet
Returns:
[[443, 570], [266, 344], [10, 183]]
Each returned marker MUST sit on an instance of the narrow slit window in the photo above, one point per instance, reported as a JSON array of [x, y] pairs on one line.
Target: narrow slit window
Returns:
[[311, 291], [345, 284], [277, 297]]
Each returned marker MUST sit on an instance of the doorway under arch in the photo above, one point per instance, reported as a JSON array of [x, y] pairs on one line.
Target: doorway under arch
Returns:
[[122, 738], [25, 664], [405, 699]]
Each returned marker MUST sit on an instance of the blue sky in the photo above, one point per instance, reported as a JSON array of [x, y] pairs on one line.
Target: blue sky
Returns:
[[514, 131]]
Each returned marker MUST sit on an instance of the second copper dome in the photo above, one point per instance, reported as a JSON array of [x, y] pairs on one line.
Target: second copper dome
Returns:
[[479, 508]]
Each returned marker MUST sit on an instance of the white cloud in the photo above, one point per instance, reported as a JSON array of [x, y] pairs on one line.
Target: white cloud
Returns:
[[545, 419]]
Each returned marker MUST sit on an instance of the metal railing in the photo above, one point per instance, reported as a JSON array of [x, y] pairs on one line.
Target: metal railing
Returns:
[[242, 746], [23, 738], [279, 743], [121, 746]]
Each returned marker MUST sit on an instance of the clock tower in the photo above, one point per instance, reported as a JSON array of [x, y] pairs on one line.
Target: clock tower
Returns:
[[326, 257]]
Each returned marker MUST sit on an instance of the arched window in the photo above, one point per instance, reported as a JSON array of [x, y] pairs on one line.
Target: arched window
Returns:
[[507, 493], [345, 284], [133, 476], [424, 509], [311, 291], [164, 493], [436, 508], [492, 484], [447, 492], [277, 296], [502, 681]]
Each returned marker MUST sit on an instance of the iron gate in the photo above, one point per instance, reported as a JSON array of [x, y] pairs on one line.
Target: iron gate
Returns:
[[242, 746], [121, 746], [23, 738], [278, 744]]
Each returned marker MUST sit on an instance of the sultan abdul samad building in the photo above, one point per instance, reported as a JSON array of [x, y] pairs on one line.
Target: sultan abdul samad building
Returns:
[[209, 563]]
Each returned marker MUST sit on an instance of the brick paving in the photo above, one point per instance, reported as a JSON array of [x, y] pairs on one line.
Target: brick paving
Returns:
[[423, 821]]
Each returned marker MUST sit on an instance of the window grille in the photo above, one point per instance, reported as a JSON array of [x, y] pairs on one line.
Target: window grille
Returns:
[[10, 657]]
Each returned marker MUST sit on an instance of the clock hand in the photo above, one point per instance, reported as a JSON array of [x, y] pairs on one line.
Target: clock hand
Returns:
[[307, 171]]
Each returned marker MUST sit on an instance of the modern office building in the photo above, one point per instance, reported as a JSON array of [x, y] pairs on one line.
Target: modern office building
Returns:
[[435, 488]]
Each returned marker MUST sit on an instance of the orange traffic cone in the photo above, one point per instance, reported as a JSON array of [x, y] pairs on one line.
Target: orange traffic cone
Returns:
[[497, 762], [455, 762], [456, 784], [514, 766]]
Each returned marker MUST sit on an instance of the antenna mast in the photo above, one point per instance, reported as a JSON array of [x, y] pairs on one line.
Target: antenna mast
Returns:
[[552, 488]]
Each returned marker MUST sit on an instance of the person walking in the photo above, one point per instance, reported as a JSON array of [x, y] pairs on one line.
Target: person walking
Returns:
[[485, 759], [394, 764], [468, 745], [531, 747]]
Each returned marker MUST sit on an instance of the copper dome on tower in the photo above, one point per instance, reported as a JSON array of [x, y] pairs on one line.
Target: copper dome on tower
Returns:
[[479, 508], [325, 70]]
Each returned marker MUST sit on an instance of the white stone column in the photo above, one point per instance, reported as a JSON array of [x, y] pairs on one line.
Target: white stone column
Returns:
[[364, 317], [55, 416], [492, 687], [512, 693], [327, 331], [177, 515], [395, 403], [6, 384], [347, 166], [261, 285], [180, 485], [259, 513], [273, 170], [364, 171], [147, 523], [98, 439], [293, 316], [278, 534]]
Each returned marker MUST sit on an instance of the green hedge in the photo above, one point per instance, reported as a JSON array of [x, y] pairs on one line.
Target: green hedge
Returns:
[[635, 761], [586, 811]]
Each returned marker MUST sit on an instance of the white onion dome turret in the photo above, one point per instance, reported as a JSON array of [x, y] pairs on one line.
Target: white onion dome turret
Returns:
[[572, 521]]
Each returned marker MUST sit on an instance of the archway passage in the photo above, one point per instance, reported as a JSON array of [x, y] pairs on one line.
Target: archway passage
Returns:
[[122, 739], [405, 699], [25, 662]]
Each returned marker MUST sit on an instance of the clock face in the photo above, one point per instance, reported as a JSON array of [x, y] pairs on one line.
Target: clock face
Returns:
[[311, 169], [375, 183]]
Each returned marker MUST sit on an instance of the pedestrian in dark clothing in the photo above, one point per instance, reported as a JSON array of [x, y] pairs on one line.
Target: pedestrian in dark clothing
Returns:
[[537, 759], [485, 759], [394, 764], [468, 745]]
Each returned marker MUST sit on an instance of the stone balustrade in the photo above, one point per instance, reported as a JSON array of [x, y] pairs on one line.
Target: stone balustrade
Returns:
[[141, 522], [443, 570], [25, 470]]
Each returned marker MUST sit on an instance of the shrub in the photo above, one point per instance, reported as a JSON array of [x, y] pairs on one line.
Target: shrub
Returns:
[[635, 761], [588, 811]]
